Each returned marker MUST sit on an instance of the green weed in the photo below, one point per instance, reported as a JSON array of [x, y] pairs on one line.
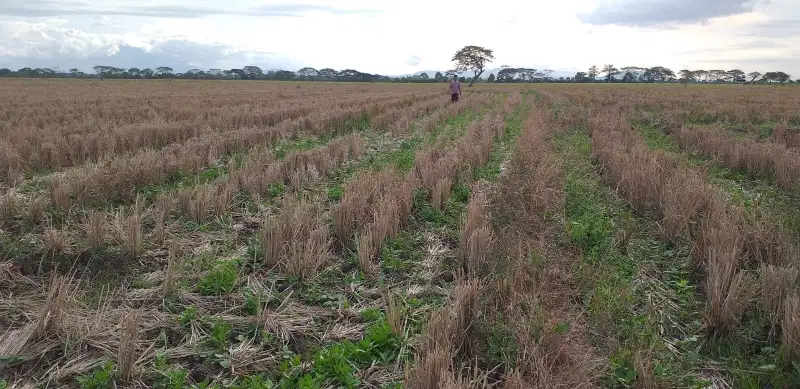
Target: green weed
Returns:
[[172, 379], [402, 252], [502, 345], [339, 362], [100, 378], [188, 316], [220, 334], [252, 302], [220, 281], [335, 193]]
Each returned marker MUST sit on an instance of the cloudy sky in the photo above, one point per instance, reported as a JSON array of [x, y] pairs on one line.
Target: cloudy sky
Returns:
[[400, 36]]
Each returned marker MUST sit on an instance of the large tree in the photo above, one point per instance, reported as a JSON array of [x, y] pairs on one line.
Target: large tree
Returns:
[[473, 58]]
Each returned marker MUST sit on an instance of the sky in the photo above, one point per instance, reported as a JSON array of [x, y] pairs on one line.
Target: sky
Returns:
[[393, 37]]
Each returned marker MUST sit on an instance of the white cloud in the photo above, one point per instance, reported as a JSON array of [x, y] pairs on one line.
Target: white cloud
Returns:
[[413, 61], [22, 39], [396, 37]]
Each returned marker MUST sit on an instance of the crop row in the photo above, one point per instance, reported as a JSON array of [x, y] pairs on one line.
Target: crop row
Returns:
[[743, 261]]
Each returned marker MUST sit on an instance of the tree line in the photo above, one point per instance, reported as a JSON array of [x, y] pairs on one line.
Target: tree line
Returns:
[[164, 72], [609, 73]]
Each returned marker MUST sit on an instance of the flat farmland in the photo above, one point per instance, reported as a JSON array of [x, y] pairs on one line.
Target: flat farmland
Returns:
[[226, 234]]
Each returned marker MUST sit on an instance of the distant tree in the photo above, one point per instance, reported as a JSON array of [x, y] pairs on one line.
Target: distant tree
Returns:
[[507, 74], [75, 72], [658, 74], [252, 73], [5, 72], [308, 74], [108, 71], [424, 76], [134, 72], [492, 78], [718, 75], [146, 73], [327, 74], [164, 71], [592, 74], [234, 74], [736, 76], [635, 71], [473, 58], [195, 74], [215, 73], [701, 75], [687, 76], [439, 77], [776, 77], [284, 75], [610, 71], [629, 77], [581, 77], [26, 72], [47, 72], [754, 76]]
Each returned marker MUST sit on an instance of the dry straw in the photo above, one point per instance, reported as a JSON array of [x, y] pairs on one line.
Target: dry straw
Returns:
[[129, 335]]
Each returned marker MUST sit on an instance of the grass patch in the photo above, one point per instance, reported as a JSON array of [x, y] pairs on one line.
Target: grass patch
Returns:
[[620, 277], [220, 281], [502, 145], [338, 363]]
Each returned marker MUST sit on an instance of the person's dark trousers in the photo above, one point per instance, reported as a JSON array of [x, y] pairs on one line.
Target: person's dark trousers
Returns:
[[454, 97]]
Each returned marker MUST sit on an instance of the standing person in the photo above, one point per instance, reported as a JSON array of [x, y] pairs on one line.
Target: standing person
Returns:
[[455, 89]]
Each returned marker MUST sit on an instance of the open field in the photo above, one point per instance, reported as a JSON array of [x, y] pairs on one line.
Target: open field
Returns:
[[180, 234]]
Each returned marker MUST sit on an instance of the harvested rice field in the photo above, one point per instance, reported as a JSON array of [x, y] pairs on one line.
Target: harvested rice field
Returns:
[[235, 234]]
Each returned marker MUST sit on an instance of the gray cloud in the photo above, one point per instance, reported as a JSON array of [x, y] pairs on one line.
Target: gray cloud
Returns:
[[735, 47], [45, 45], [48, 8], [179, 55], [776, 28], [663, 12]]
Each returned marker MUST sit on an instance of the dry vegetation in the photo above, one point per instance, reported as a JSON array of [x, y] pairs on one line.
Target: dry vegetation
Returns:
[[283, 235]]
